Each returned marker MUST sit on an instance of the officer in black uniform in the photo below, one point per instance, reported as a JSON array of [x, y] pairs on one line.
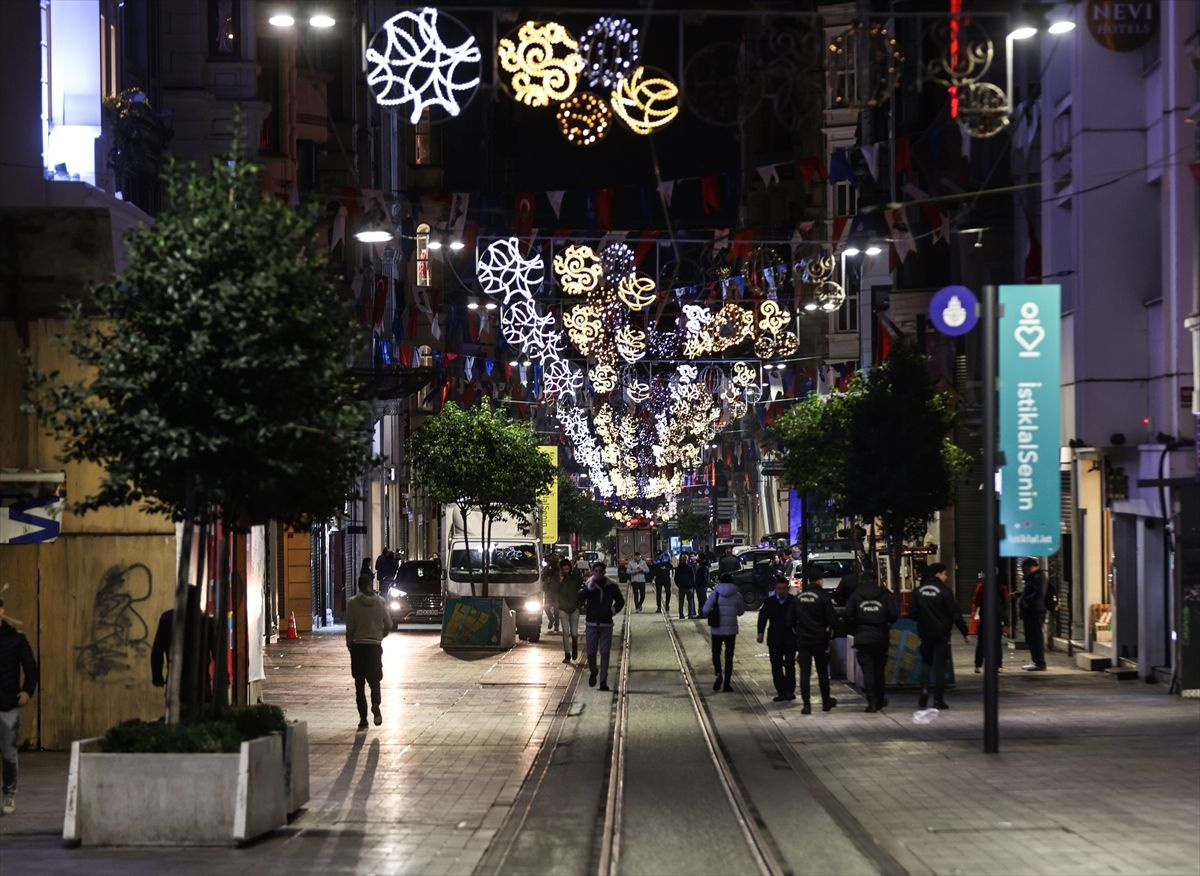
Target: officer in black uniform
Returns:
[[937, 613], [815, 621]]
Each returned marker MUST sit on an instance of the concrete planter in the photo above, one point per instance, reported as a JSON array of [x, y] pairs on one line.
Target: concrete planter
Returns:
[[295, 764], [181, 799]]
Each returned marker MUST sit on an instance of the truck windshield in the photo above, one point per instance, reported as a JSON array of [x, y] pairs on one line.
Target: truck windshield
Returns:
[[509, 562]]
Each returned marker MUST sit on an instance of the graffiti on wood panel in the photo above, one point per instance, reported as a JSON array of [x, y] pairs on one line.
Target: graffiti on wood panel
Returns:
[[119, 633]]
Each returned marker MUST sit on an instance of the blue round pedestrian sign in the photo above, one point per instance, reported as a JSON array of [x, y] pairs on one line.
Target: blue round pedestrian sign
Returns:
[[954, 310]]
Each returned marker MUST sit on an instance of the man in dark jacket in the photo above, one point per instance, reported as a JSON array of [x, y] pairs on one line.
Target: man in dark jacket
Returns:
[[1033, 613], [701, 578], [777, 618], [815, 620], [15, 657], [870, 614], [685, 583], [601, 599], [936, 612], [662, 585], [848, 584], [727, 565]]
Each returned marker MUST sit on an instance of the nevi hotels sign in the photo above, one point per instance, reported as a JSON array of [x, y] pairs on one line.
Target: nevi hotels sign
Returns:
[[1029, 344]]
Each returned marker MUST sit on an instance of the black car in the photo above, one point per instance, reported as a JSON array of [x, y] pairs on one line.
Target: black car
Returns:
[[415, 594], [754, 577]]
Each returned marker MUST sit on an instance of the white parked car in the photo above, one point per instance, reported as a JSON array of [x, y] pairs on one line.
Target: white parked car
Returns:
[[833, 566]]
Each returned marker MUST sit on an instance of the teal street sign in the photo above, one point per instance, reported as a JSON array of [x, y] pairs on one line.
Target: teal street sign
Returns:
[[1028, 386]]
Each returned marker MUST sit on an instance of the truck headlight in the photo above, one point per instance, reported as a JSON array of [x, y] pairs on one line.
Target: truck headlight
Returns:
[[395, 605], [533, 605], [395, 593]]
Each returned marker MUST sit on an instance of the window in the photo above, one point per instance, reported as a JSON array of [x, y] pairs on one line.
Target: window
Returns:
[[843, 75], [44, 54], [845, 199], [225, 28], [845, 318], [423, 275], [423, 141], [1061, 156]]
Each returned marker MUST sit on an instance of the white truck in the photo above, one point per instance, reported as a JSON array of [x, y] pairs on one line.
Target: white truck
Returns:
[[514, 568]]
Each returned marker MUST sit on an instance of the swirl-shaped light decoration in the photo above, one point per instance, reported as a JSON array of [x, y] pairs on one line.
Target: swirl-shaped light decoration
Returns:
[[637, 292], [410, 62], [578, 270], [743, 375], [631, 343], [609, 48], [584, 119], [604, 378], [771, 317], [544, 62], [502, 270], [582, 323], [638, 391], [730, 326], [645, 102]]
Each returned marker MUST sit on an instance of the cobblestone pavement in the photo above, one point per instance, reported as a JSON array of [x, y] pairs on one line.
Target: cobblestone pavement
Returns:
[[1094, 775]]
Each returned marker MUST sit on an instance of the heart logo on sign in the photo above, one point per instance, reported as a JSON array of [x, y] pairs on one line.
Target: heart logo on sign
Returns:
[[1029, 336]]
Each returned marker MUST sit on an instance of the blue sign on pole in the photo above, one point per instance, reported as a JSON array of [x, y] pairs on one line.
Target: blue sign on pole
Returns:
[[1028, 386], [954, 310]]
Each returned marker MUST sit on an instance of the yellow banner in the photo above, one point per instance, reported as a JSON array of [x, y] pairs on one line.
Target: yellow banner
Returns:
[[550, 501]]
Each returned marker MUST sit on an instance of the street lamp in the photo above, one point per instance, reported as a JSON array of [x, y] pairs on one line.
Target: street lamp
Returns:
[[1026, 28], [318, 20]]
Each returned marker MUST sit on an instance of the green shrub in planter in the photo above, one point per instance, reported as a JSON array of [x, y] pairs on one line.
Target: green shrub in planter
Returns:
[[201, 737]]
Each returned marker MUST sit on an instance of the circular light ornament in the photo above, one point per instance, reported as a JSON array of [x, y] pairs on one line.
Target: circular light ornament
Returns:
[[617, 261], [645, 101], [829, 296], [411, 61], [582, 323], [544, 62], [584, 119], [604, 378], [609, 49], [637, 292], [786, 344], [752, 394], [578, 270], [502, 270], [771, 318], [631, 343], [638, 391]]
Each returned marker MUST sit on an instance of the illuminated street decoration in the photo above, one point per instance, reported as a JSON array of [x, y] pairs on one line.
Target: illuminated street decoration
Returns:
[[584, 119], [638, 391], [645, 102], [604, 378], [696, 316], [560, 378], [771, 317], [829, 296], [637, 292], [533, 333], [731, 325], [872, 45], [582, 323], [502, 270], [687, 373], [544, 62], [609, 48], [410, 62], [631, 343], [617, 261], [742, 374], [578, 270]]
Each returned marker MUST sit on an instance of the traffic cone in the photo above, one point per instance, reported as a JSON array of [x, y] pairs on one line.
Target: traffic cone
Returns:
[[291, 630]]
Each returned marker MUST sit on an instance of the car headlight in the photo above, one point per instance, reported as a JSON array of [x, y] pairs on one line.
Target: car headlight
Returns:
[[396, 593], [395, 606], [533, 605]]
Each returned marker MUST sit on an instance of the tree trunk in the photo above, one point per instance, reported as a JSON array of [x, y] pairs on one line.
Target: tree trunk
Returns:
[[179, 618], [195, 648], [896, 551], [221, 605], [804, 534], [486, 532]]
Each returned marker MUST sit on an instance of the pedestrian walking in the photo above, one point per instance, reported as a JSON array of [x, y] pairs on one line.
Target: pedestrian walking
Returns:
[[723, 607], [367, 623], [567, 603], [366, 578], [637, 570], [1033, 613], [701, 578], [601, 600], [870, 614], [935, 609], [777, 618], [662, 585], [982, 613], [551, 580], [727, 565], [16, 659], [815, 623], [685, 583]]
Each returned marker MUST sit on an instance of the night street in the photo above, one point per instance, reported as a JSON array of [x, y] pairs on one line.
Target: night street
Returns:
[[500, 764]]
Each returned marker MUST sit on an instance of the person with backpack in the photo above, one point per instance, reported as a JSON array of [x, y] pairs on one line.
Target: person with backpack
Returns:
[[982, 613], [777, 618], [815, 623], [936, 612], [1033, 613], [723, 607], [870, 614]]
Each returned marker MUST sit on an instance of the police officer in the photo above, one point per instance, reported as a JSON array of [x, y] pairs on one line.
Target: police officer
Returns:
[[871, 612], [936, 611], [815, 620]]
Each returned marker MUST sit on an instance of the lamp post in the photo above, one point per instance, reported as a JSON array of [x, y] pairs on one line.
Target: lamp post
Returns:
[[1024, 29], [864, 301]]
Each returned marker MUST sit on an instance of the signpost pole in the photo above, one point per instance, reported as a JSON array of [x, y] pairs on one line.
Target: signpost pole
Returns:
[[990, 603]]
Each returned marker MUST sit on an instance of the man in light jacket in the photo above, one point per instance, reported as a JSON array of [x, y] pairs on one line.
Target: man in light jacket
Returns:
[[728, 602], [367, 622]]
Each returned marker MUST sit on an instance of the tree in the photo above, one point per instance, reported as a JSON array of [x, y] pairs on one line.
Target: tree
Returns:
[[693, 526], [215, 387], [579, 513], [816, 439], [482, 460], [900, 464]]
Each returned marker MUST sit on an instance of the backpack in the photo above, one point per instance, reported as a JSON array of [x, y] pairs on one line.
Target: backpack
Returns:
[[1051, 596]]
